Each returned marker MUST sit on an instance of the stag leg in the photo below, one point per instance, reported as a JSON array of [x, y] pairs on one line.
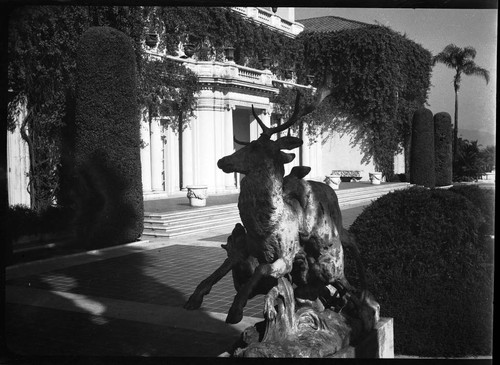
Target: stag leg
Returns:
[[206, 285], [269, 300], [276, 270]]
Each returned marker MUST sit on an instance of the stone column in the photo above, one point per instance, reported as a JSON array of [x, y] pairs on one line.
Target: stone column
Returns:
[[146, 156], [187, 156], [306, 150], [219, 148], [171, 156], [228, 144], [255, 129], [156, 156]]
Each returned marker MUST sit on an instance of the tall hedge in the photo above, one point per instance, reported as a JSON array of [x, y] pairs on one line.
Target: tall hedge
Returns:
[[420, 249], [422, 149], [107, 143], [443, 149]]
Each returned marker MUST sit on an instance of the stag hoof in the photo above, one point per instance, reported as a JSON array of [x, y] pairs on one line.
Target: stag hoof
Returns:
[[270, 314], [269, 310], [234, 316], [193, 303]]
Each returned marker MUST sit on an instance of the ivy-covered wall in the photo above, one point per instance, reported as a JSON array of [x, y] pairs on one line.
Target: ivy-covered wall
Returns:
[[211, 29], [377, 78]]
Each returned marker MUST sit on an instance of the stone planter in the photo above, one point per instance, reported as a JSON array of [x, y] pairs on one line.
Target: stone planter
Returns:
[[197, 195], [375, 178], [333, 181], [151, 39]]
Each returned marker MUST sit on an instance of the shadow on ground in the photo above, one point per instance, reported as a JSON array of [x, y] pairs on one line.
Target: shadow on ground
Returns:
[[87, 327]]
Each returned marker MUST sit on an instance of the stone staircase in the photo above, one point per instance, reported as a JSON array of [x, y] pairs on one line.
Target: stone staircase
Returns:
[[203, 219]]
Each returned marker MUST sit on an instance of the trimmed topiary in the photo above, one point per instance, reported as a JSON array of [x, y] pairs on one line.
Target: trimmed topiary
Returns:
[[107, 143], [443, 149], [420, 249], [482, 198], [422, 149]]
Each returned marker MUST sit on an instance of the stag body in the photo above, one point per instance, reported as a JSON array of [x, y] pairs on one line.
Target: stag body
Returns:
[[280, 226], [270, 221]]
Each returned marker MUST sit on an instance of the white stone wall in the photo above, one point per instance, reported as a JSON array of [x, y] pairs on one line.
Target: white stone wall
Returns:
[[338, 154]]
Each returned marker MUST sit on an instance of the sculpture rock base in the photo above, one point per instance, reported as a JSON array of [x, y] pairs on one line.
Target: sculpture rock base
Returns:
[[377, 344], [311, 331]]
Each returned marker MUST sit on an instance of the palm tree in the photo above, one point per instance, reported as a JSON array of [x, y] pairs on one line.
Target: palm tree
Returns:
[[462, 61]]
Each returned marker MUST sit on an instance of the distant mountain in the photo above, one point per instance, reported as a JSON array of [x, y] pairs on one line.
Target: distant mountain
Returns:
[[483, 138]]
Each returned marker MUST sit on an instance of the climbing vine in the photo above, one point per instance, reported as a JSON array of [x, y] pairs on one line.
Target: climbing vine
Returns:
[[212, 29], [377, 78], [167, 88]]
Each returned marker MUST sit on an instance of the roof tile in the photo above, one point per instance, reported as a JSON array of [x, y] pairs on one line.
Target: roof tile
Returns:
[[330, 24]]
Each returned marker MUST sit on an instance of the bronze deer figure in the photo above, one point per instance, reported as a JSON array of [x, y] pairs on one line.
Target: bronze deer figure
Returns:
[[278, 226]]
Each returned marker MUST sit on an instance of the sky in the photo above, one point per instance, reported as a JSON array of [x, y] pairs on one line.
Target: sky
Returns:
[[434, 29]]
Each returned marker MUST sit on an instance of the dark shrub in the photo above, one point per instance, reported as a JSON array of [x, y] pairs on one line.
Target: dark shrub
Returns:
[[22, 220], [422, 149], [420, 248], [482, 198], [399, 178], [443, 148], [107, 143], [471, 162]]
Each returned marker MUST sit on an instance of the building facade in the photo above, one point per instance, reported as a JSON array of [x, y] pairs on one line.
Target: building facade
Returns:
[[171, 160]]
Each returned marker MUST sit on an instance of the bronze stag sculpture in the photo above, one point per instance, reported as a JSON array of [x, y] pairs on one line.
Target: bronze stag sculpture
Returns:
[[278, 226], [293, 226]]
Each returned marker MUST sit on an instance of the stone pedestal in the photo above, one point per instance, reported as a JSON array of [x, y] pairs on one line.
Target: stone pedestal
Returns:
[[378, 344], [197, 195]]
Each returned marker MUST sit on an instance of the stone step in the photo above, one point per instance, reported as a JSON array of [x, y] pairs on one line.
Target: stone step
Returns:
[[203, 219], [202, 211], [188, 226], [182, 231], [234, 216], [228, 212]]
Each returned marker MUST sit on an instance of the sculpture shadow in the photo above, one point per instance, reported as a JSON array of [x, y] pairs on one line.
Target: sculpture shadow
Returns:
[[119, 306], [106, 209]]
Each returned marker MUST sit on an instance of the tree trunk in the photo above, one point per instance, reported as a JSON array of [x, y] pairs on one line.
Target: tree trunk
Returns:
[[455, 130], [31, 149], [301, 148]]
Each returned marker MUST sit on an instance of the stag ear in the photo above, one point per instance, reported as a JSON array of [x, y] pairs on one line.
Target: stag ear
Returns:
[[289, 143], [300, 171], [287, 157]]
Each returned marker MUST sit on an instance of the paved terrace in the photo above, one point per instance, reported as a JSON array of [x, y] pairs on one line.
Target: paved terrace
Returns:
[[127, 300]]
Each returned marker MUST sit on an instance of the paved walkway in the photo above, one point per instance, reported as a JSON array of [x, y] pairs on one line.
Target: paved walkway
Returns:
[[126, 300]]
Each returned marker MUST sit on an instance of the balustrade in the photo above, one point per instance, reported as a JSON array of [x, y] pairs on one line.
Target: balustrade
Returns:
[[271, 20], [247, 74]]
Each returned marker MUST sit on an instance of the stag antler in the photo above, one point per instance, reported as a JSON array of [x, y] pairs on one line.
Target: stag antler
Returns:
[[270, 131], [297, 112]]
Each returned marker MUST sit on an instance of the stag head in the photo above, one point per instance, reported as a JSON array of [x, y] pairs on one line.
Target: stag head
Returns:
[[263, 151]]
